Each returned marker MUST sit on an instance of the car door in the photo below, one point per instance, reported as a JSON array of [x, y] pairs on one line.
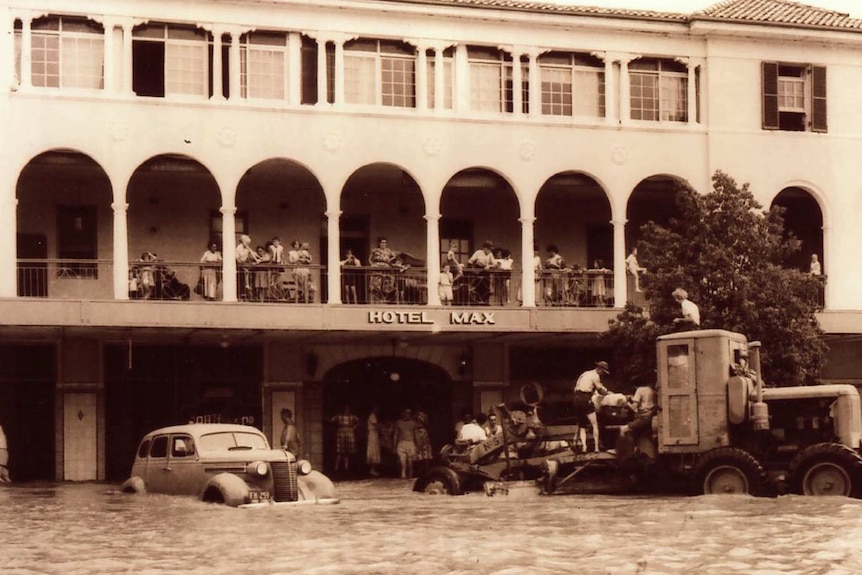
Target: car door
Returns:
[[158, 470], [187, 477]]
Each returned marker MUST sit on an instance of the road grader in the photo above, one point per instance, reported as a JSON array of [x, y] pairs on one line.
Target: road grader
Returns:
[[718, 430]]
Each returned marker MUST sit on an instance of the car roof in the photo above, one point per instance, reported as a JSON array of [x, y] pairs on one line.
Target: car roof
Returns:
[[198, 429]]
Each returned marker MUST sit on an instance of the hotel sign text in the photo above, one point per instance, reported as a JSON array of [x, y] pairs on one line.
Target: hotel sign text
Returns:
[[421, 318]]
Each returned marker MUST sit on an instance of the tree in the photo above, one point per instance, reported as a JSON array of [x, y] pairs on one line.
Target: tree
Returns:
[[728, 254]]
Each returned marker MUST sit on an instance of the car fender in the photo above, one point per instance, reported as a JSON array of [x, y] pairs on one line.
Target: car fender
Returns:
[[315, 486], [226, 488], [134, 484]]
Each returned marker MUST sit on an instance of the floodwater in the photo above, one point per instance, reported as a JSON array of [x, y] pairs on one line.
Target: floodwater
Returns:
[[382, 527]]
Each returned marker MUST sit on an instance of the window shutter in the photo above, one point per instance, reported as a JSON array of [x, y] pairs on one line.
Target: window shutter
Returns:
[[770, 95], [818, 99]]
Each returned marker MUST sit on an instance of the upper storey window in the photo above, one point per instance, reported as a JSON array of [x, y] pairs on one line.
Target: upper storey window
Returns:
[[659, 90], [170, 60], [66, 52], [380, 72], [447, 71], [491, 81], [572, 85], [263, 65], [794, 97]]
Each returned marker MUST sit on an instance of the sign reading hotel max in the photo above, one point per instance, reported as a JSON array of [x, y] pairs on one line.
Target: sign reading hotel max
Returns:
[[421, 318]]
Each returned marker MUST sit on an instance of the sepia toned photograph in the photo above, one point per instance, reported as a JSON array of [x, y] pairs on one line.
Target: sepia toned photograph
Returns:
[[430, 287]]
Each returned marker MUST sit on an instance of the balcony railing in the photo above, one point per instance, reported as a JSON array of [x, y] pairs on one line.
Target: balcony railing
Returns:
[[575, 288], [65, 278]]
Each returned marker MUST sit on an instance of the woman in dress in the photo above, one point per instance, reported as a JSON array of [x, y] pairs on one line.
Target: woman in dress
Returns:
[[210, 271], [372, 451], [424, 453], [345, 438]]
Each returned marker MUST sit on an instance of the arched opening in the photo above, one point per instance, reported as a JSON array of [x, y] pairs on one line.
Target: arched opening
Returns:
[[575, 242], [281, 202], [65, 226], [804, 220], [383, 220], [479, 207], [173, 216], [652, 200], [392, 384]]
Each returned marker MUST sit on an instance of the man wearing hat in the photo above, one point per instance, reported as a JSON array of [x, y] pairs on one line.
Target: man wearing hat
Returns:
[[588, 383]]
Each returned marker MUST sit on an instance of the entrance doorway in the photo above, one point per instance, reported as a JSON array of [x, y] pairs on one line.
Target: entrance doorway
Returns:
[[392, 384]]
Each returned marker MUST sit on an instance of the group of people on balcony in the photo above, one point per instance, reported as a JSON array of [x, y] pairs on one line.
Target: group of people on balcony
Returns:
[[262, 275], [388, 281], [570, 285], [149, 279], [485, 279]]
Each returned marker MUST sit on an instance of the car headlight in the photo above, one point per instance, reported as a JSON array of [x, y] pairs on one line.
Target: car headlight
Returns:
[[257, 468], [303, 467]]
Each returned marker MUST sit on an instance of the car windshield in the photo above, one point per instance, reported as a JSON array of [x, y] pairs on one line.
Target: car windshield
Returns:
[[232, 440]]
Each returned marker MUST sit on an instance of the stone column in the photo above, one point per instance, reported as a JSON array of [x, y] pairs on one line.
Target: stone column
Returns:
[[535, 77], [528, 274], [625, 89], [432, 233], [462, 79], [333, 258], [26, 80], [294, 68], [218, 90], [322, 82], [228, 243], [620, 296], [127, 88], [8, 239], [439, 80], [121, 250], [517, 80], [611, 94], [421, 77], [234, 70]]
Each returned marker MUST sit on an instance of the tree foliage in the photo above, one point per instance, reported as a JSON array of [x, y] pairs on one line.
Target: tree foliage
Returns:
[[728, 254]]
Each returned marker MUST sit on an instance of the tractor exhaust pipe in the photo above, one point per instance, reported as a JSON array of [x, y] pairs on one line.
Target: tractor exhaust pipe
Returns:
[[759, 409]]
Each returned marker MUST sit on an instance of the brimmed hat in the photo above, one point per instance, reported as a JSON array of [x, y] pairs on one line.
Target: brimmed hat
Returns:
[[603, 366]]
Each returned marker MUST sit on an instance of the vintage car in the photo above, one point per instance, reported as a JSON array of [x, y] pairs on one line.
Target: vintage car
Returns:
[[224, 463]]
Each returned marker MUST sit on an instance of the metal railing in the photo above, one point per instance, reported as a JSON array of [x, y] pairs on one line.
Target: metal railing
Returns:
[[65, 278], [275, 283], [371, 285], [575, 288]]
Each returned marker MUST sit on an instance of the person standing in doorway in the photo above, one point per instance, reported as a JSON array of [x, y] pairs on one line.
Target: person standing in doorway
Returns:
[[4, 458], [405, 442], [424, 451], [289, 433], [372, 450], [345, 438]]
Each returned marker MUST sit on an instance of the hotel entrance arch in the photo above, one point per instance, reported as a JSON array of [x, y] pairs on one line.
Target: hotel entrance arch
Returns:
[[392, 384]]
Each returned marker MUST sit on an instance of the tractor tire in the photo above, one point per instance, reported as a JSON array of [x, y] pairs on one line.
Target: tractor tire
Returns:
[[728, 471], [826, 469], [439, 481]]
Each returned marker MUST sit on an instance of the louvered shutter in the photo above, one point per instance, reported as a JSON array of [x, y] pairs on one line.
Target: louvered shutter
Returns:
[[769, 72], [818, 99]]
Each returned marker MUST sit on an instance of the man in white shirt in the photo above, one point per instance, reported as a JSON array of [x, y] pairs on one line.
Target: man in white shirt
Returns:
[[690, 313], [472, 431]]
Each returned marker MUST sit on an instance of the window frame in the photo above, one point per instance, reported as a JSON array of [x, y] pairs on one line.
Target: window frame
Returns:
[[665, 80], [248, 46], [175, 51], [577, 100], [57, 71], [812, 116], [379, 85]]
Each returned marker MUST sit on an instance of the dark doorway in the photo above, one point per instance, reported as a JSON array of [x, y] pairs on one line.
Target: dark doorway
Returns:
[[148, 387], [393, 384], [27, 376]]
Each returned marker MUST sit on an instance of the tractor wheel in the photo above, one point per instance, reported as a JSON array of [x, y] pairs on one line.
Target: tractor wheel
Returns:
[[440, 481], [729, 471], [826, 469]]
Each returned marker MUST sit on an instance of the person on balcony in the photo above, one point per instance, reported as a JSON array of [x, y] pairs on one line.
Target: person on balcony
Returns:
[[263, 275], [597, 283], [147, 275], [555, 284], [382, 285], [444, 286], [814, 268], [210, 272], [482, 261], [349, 276], [245, 258], [300, 256], [634, 268]]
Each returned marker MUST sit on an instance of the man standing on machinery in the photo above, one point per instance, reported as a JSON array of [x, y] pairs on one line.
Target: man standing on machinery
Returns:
[[588, 383]]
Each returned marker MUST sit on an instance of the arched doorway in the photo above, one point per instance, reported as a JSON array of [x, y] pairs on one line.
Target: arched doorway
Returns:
[[392, 384]]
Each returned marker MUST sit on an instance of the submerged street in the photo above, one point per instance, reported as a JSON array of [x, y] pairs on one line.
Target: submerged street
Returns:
[[382, 527]]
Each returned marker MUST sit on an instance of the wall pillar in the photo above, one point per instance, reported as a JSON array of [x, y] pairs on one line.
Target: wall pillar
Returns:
[[620, 296]]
